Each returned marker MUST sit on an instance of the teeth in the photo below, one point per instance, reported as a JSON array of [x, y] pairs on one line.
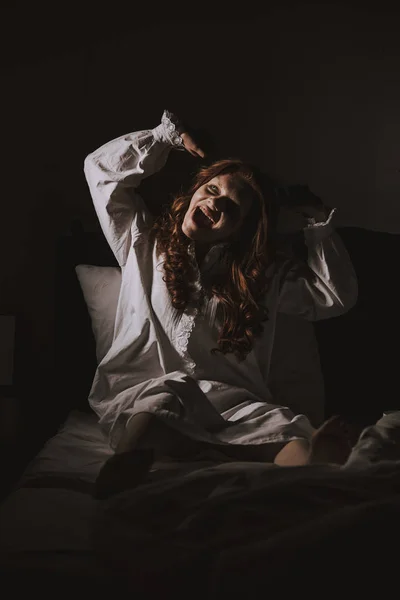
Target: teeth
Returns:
[[207, 216]]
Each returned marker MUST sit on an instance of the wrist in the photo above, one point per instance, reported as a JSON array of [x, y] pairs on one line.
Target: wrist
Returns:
[[179, 126], [318, 213], [321, 217], [172, 128]]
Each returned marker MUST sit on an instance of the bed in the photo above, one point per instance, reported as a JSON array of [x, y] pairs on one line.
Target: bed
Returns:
[[200, 529]]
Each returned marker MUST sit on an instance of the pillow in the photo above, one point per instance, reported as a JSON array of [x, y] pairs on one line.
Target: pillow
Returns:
[[100, 287], [295, 378]]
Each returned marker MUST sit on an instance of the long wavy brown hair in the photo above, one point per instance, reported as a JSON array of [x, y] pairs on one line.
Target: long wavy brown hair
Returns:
[[240, 292]]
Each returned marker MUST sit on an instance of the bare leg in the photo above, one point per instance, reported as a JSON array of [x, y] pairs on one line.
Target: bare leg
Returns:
[[130, 464], [295, 453], [329, 445], [145, 439], [134, 432]]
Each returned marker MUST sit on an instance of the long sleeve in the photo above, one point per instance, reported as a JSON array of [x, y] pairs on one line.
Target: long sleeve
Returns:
[[324, 287], [114, 172]]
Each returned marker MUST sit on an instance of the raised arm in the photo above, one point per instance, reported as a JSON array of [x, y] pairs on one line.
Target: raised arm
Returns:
[[327, 285], [114, 172]]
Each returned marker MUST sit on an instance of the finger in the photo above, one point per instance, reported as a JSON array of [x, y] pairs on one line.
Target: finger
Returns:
[[188, 147], [198, 151], [191, 145], [194, 151]]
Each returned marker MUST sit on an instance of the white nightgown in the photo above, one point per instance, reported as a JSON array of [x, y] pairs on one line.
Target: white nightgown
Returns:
[[160, 359]]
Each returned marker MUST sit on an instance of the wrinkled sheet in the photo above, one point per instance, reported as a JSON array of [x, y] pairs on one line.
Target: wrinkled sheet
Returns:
[[231, 528], [209, 522]]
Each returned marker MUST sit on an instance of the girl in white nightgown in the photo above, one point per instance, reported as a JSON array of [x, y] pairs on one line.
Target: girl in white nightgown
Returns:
[[200, 292]]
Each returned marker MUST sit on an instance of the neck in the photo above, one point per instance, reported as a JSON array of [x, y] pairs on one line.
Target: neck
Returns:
[[200, 252]]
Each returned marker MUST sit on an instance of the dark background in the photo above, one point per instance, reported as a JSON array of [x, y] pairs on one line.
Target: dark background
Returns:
[[309, 91]]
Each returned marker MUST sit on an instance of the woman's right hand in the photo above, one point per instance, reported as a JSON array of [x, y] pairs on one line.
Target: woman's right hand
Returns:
[[191, 145]]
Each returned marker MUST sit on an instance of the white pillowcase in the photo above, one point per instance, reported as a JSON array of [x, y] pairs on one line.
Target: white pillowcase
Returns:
[[295, 378], [100, 287]]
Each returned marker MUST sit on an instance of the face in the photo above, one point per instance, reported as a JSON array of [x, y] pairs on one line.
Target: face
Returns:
[[217, 210]]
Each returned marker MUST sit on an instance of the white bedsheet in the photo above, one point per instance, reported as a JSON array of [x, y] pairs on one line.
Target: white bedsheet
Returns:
[[78, 449]]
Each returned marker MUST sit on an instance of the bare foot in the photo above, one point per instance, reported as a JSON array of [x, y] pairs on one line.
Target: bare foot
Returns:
[[330, 444], [123, 471]]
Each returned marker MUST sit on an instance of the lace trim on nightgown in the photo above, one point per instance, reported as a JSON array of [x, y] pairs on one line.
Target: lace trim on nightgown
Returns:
[[188, 319], [200, 304], [182, 339]]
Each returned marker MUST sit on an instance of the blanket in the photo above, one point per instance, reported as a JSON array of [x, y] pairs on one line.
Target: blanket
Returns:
[[226, 525]]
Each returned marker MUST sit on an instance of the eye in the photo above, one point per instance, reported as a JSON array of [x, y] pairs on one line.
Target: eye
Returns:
[[213, 189]]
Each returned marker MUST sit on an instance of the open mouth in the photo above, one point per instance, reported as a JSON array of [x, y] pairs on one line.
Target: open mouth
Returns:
[[202, 220]]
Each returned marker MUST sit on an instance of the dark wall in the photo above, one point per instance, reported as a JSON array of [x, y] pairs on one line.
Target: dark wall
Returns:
[[309, 92]]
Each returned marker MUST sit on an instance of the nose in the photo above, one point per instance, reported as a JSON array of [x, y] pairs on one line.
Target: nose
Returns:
[[217, 203]]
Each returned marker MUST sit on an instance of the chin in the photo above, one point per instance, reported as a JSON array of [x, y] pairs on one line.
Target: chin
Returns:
[[194, 235], [188, 231]]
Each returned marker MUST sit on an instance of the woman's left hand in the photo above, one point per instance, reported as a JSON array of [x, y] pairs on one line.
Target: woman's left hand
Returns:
[[191, 145], [308, 205]]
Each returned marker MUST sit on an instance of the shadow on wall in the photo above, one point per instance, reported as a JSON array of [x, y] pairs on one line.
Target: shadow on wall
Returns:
[[358, 349]]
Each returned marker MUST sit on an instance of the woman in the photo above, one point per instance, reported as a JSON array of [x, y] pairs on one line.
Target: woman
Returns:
[[201, 288]]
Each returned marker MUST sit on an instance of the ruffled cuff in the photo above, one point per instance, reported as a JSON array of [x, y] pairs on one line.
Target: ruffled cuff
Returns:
[[169, 130], [326, 217], [317, 230]]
